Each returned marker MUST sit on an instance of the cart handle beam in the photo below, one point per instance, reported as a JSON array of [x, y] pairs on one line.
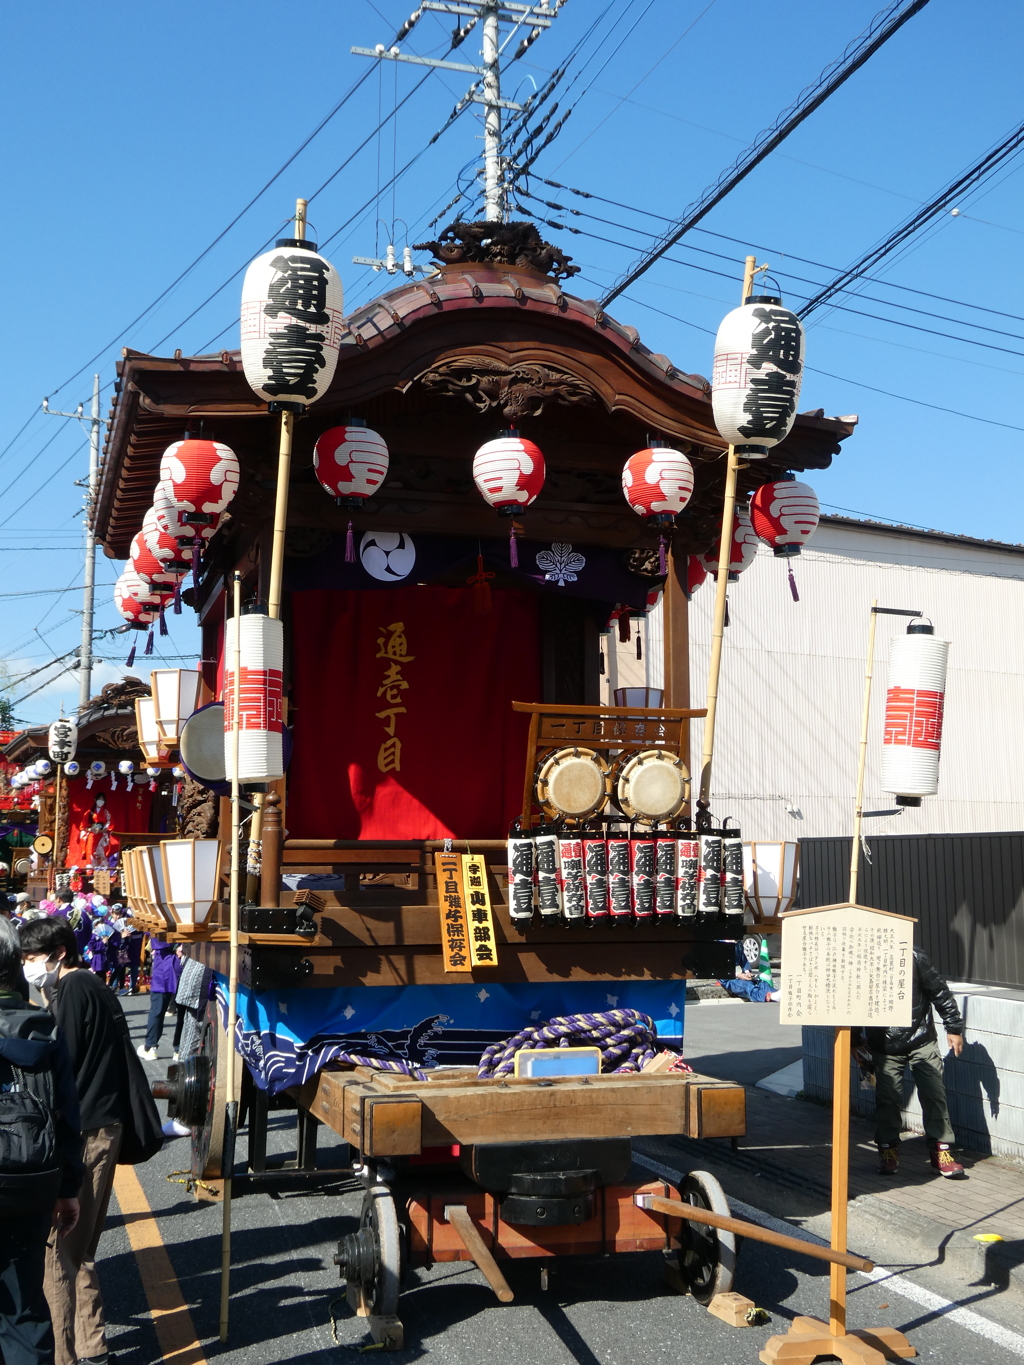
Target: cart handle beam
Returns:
[[674, 1208], [458, 1217]]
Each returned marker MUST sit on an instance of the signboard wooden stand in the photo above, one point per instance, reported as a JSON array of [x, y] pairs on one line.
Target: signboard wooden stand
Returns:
[[847, 965]]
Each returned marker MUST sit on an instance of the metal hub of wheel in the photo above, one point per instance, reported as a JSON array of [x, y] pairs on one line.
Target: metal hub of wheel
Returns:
[[370, 1260], [707, 1256]]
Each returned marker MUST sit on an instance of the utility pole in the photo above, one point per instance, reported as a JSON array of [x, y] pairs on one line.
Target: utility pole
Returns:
[[486, 90], [89, 588]]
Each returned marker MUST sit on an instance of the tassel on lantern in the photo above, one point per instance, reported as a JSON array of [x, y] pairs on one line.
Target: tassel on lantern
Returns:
[[350, 544], [624, 627], [639, 646], [792, 585], [513, 551], [128, 663], [177, 599], [726, 612], [163, 622], [481, 588], [149, 641], [662, 556]]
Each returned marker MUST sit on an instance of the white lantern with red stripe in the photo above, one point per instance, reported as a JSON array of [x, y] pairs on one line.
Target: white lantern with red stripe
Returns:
[[291, 323], [785, 515], [201, 478], [140, 603], [261, 659], [509, 474], [913, 714], [758, 368], [744, 547]]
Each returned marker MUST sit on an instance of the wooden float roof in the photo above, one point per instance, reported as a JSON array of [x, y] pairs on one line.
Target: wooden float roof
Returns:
[[510, 340]]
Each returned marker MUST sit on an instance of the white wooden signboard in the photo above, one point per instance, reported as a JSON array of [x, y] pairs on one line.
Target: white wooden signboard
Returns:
[[847, 965]]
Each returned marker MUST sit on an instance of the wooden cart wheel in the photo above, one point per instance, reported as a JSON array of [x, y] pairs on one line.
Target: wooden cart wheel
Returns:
[[371, 1258], [707, 1257], [208, 1139]]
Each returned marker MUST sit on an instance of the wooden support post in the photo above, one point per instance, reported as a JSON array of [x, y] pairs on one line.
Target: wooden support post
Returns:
[[270, 878], [469, 1235]]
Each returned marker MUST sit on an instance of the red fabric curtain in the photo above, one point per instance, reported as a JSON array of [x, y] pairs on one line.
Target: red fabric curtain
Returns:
[[128, 807], [402, 714]]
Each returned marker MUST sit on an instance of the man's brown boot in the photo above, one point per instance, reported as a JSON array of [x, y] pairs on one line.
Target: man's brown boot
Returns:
[[888, 1158], [944, 1161]]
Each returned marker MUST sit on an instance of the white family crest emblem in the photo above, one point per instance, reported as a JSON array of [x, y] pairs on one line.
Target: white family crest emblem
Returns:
[[561, 564]]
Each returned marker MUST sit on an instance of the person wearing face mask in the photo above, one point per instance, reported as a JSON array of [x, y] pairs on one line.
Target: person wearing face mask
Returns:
[[85, 1012], [39, 1181]]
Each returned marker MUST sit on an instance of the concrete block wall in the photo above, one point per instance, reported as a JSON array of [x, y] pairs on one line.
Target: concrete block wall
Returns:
[[985, 1086]]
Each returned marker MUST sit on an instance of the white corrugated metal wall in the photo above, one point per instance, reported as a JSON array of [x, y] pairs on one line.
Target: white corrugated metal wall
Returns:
[[793, 675]]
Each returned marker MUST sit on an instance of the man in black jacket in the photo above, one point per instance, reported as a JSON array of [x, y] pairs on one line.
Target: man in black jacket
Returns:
[[916, 1046], [87, 1014], [26, 1337]]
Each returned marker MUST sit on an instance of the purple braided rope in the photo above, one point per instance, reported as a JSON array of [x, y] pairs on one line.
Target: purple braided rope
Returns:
[[380, 1064], [626, 1039]]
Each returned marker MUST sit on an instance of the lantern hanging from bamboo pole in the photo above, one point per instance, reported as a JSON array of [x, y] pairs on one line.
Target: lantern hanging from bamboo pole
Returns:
[[509, 474], [743, 548], [291, 322], [658, 483], [758, 367], [785, 514], [914, 706], [261, 661], [351, 463], [201, 478]]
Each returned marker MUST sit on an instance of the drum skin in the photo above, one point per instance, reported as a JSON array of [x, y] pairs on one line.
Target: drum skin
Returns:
[[572, 783], [202, 744], [652, 785]]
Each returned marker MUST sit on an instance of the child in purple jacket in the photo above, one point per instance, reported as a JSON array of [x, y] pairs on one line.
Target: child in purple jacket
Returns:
[[167, 968]]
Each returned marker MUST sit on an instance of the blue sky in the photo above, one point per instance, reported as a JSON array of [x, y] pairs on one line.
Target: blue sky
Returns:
[[134, 135]]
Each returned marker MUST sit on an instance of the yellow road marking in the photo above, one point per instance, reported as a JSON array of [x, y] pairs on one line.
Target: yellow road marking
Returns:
[[173, 1322]]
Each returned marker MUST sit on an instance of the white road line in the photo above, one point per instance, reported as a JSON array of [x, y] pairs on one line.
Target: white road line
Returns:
[[899, 1284]]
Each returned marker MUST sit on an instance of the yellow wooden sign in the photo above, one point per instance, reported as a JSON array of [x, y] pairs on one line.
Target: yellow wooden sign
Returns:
[[483, 946], [101, 881], [847, 965], [452, 907]]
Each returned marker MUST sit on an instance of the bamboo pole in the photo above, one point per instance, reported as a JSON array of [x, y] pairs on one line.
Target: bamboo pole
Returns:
[[721, 589], [231, 1099]]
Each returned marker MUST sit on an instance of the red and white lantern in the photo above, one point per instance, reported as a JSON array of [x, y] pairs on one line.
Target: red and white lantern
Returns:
[[695, 574], [140, 603], [744, 547], [351, 462], [291, 323], [758, 368], [173, 548], [509, 474], [201, 478], [261, 661], [785, 515], [150, 569], [657, 483], [913, 714]]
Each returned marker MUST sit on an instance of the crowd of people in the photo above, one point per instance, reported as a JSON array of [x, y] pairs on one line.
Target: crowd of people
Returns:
[[74, 1104]]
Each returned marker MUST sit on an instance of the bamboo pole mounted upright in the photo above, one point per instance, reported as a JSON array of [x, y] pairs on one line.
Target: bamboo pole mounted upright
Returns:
[[721, 589]]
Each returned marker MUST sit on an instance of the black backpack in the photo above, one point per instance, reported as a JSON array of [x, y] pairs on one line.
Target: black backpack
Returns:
[[30, 1161]]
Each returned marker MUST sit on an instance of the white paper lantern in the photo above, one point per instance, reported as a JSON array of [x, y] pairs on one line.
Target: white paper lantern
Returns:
[[261, 645], [758, 367], [63, 740], [913, 715], [291, 323]]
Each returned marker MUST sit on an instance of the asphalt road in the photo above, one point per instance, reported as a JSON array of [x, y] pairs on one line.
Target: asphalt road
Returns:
[[737, 1041], [597, 1311]]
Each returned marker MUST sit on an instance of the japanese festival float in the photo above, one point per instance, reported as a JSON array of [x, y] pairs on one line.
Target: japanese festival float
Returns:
[[465, 896]]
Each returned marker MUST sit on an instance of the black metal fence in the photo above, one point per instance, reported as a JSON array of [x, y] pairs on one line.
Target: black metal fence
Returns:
[[965, 890]]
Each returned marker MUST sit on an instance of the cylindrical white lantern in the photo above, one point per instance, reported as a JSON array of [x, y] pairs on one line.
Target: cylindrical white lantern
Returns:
[[291, 323], [770, 877], [261, 645], [63, 740], [755, 383], [913, 715]]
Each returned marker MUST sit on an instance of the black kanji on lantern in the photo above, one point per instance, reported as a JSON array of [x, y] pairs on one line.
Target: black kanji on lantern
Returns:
[[776, 341], [300, 289], [292, 359], [770, 401]]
